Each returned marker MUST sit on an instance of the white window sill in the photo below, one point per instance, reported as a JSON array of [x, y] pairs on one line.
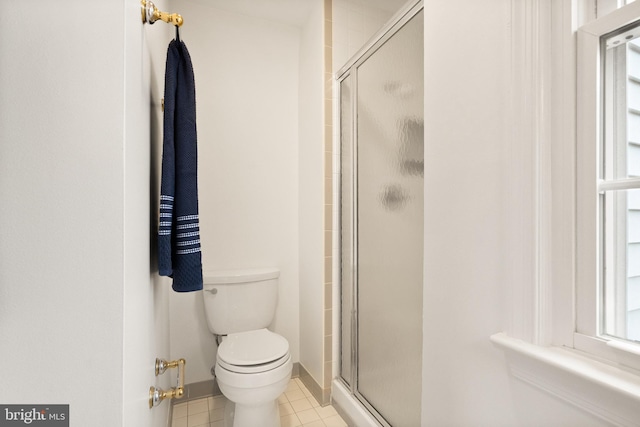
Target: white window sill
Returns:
[[605, 391]]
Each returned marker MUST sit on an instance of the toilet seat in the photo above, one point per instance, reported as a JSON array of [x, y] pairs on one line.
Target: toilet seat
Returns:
[[254, 369], [253, 351]]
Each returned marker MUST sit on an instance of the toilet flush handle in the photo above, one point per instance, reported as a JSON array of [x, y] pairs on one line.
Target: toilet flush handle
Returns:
[[213, 291]]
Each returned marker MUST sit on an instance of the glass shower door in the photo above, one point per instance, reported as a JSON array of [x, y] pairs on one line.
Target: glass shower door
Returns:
[[382, 240]]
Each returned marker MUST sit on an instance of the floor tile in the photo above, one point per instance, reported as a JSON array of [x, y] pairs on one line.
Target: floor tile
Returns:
[[334, 421], [216, 414], [313, 401], [326, 411], [295, 395], [290, 421], [293, 385], [179, 422], [198, 406], [282, 399], [308, 416], [198, 420], [286, 409], [217, 402], [298, 408], [301, 405], [180, 411]]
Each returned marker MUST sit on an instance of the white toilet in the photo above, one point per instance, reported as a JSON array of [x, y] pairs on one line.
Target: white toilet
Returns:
[[253, 366]]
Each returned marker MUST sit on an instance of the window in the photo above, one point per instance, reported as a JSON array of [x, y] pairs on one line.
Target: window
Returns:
[[581, 252], [607, 6], [557, 338], [619, 186], [608, 187]]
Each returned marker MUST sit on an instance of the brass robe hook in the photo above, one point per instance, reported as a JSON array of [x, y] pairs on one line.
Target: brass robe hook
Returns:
[[151, 14]]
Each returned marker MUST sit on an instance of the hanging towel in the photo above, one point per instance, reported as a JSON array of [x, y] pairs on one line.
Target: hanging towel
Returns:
[[179, 253]]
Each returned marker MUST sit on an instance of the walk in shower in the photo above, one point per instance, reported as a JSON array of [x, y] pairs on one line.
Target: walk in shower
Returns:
[[381, 97]]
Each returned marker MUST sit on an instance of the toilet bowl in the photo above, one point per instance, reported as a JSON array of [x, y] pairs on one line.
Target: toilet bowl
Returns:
[[253, 365], [253, 368]]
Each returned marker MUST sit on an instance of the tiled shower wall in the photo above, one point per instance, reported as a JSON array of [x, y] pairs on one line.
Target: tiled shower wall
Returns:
[[328, 196], [317, 326]]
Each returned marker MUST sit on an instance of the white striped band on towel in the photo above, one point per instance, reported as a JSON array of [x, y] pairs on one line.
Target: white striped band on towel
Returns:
[[166, 213], [189, 239], [185, 226], [190, 234], [188, 242], [188, 251]]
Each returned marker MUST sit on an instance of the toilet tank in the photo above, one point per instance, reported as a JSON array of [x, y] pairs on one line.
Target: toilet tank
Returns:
[[240, 300]]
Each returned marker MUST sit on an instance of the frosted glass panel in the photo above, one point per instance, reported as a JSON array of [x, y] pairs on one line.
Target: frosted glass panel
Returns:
[[390, 169], [346, 227]]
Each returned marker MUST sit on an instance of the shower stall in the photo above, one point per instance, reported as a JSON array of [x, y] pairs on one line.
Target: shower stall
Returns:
[[381, 132]]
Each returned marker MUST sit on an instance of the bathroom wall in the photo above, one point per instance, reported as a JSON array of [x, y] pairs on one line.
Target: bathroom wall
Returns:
[[61, 183], [355, 22], [467, 252], [83, 316], [464, 245], [77, 303], [146, 295], [465, 379], [311, 194], [246, 71]]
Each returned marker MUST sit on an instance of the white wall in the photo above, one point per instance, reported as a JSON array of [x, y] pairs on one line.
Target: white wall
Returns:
[[246, 72], [465, 379], [355, 22], [61, 185], [146, 303], [311, 193], [78, 299], [77, 304]]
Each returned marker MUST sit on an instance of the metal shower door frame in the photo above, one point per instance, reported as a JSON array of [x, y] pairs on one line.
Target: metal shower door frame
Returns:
[[395, 24]]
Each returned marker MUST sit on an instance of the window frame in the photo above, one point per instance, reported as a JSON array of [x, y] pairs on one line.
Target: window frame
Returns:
[[539, 334], [607, 6], [590, 133]]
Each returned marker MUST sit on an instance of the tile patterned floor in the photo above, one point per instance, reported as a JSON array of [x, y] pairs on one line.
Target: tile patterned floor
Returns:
[[297, 408]]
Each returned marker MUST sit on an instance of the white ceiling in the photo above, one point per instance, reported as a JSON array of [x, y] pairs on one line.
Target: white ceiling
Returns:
[[391, 6], [292, 12]]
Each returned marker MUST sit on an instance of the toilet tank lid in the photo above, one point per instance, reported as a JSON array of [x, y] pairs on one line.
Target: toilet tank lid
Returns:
[[216, 277]]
